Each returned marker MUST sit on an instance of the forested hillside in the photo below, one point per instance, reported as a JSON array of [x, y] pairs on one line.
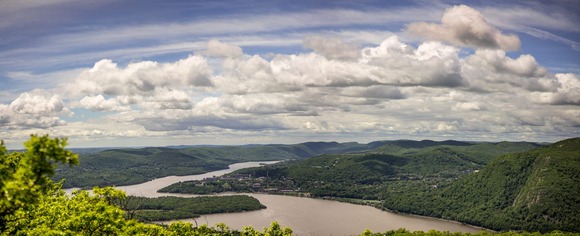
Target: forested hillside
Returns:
[[131, 166], [537, 190], [524, 186], [371, 174]]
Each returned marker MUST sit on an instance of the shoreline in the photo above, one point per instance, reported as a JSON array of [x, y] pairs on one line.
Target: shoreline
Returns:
[[344, 200]]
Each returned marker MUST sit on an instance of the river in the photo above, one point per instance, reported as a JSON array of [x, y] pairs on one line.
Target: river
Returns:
[[306, 216]]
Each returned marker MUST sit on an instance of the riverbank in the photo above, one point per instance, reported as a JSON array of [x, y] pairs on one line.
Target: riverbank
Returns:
[[311, 216], [306, 216], [370, 203]]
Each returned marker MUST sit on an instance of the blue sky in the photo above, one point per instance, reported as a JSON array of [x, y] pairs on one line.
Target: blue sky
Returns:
[[143, 73]]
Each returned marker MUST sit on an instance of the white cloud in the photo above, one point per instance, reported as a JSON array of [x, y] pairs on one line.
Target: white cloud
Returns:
[[469, 106], [35, 109], [348, 86], [567, 94], [37, 103], [141, 78], [219, 49], [99, 103], [392, 86], [432, 64], [171, 99], [5, 112], [465, 26], [492, 70]]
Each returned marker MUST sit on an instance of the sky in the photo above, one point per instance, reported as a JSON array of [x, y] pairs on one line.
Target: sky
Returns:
[[156, 73]]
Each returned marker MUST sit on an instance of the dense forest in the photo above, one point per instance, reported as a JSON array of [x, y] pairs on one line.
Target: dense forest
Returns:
[[366, 175], [536, 190], [116, 167], [171, 208]]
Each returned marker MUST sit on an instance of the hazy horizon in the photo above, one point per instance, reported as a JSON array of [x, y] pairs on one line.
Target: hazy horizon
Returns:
[[288, 143]]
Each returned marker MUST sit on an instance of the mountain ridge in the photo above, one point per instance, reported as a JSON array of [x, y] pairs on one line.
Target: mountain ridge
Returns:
[[535, 190]]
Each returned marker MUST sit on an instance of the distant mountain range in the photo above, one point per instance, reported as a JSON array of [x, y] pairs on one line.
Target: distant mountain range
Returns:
[[124, 166]]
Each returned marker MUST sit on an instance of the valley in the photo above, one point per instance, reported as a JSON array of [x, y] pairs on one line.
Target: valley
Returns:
[[483, 184]]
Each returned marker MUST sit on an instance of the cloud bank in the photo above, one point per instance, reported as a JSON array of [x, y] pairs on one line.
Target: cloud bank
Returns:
[[334, 90]]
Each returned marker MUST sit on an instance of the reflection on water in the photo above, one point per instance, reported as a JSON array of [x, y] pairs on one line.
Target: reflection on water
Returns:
[[305, 216]]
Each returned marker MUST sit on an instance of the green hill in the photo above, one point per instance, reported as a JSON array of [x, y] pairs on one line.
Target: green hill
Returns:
[[385, 166], [132, 166], [537, 190], [524, 187]]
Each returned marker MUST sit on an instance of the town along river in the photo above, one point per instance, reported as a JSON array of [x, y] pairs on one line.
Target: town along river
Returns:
[[306, 216]]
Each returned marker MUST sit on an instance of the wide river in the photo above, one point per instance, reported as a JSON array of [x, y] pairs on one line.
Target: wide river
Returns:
[[306, 216]]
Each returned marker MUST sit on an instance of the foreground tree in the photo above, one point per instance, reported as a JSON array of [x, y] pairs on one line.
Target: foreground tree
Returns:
[[31, 204], [25, 177]]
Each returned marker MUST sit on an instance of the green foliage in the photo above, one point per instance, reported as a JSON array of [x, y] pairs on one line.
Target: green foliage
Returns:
[[366, 175], [32, 205], [132, 166], [193, 187], [535, 190], [171, 208], [26, 176], [79, 213]]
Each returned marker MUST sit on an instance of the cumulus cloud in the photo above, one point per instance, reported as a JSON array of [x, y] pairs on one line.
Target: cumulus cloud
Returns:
[[299, 91], [332, 48], [492, 70], [148, 84], [141, 78], [464, 26], [36, 103], [391, 63], [4, 114], [219, 49], [172, 99], [99, 103], [431, 64], [392, 88], [568, 92], [35, 109], [469, 106]]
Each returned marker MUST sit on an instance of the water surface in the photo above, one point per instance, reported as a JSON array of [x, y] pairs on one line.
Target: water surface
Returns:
[[306, 216]]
